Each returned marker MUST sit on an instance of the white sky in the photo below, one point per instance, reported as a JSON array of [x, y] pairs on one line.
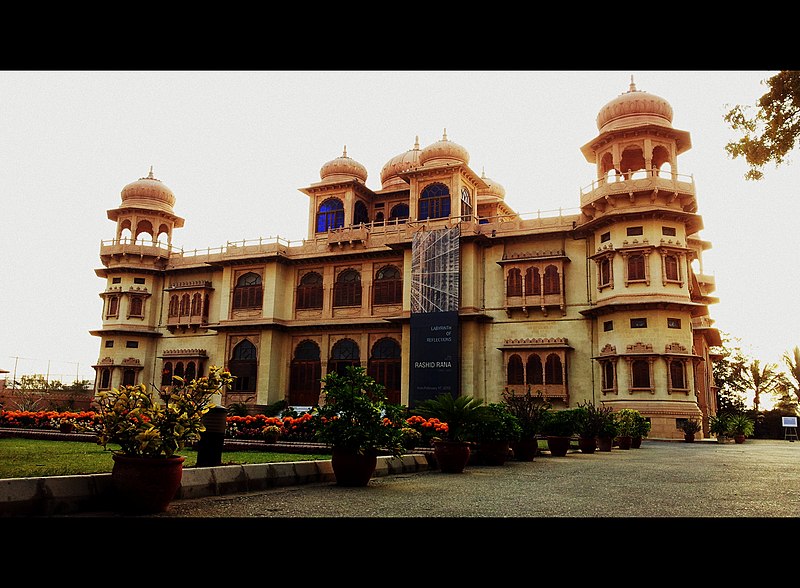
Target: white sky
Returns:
[[234, 147]]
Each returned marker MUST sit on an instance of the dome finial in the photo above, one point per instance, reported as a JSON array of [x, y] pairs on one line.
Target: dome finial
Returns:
[[483, 172], [632, 86], [416, 143], [444, 135], [150, 175], [344, 151]]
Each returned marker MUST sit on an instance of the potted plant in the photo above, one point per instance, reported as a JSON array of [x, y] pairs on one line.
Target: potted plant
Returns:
[[609, 429], [627, 419], [718, 425], [149, 432], [690, 427], [452, 451], [530, 412], [357, 422], [740, 426], [558, 427], [494, 431], [589, 420], [642, 430]]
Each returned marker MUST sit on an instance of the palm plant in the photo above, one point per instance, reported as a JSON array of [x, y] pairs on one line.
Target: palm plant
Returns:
[[460, 413], [759, 379], [792, 362]]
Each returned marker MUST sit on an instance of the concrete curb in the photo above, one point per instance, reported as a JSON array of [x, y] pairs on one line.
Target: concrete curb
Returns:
[[57, 495]]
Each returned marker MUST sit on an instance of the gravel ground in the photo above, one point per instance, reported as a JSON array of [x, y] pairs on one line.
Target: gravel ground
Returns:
[[662, 479]]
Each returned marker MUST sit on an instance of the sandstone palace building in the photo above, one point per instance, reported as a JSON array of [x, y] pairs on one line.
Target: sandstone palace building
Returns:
[[435, 284]]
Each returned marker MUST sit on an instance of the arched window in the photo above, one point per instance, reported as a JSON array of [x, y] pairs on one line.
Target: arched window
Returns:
[[514, 283], [533, 283], [179, 369], [671, 268], [166, 374], [347, 289], [191, 371], [552, 370], [113, 305], [640, 373], [399, 213], [129, 377], [248, 291], [533, 370], [636, 267], [305, 375], [466, 204], [330, 215], [605, 271], [360, 214], [384, 367], [244, 365], [105, 379], [184, 307], [309, 292], [434, 202], [174, 305], [137, 306], [345, 352], [388, 286], [608, 375], [379, 218], [677, 374], [515, 373], [552, 284], [197, 304]]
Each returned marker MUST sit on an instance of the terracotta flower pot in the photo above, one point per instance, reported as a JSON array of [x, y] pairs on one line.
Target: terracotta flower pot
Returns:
[[587, 444], [451, 456], [558, 446], [739, 438], [352, 468], [625, 441], [525, 449], [605, 443], [145, 485]]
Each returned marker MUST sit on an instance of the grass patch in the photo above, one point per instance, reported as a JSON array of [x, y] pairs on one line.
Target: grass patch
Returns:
[[32, 458]]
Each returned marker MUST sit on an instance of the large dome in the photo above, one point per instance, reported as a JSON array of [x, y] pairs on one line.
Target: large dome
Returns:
[[634, 108], [148, 192], [493, 189], [390, 173], [343, 168], [444, 152]]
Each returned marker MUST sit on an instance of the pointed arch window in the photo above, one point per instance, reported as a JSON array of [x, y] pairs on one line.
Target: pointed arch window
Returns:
[[244, 365], [344, 353], [174, 305], [434, 202], [347, 289], [360, 214], [640, 374], [609, 371], [466, 204], [248, 292], [514, 282], [636, 267], [166, 374], [533, 370], [330, 215], [671, 268], [533, 284], [515, 373], [309, 292], [113, 306], [552, 370], [384, 367], [305, 375], [129, 377], [552, 283], [399, 213], [388, 286], [105, 379], [184, 305], [137, 306], [677, 375]]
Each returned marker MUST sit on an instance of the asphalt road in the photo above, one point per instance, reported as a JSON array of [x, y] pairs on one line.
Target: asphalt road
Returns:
[[758, 479]]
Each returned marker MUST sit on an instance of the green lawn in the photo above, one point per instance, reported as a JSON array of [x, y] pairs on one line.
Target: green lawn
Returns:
[[30, 458]]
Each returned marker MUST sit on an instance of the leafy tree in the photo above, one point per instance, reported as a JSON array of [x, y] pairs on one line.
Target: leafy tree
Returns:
[[760, 379], [78, 386], [792, 361], [726, 370], [772, 132]]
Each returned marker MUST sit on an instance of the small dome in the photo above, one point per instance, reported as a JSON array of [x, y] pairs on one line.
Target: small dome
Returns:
[[443, 152], [148, 192], [634, 108], [494, 189], [390, 173], [343, 168]]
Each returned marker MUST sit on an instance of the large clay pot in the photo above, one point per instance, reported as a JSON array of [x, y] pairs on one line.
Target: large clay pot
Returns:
[[451, 456], [636, 443], [493, 453], [352, 468], [587, 444], [625, 441], [688, 437], [605, 443], [145, 485], [558, 446], [525, 449], [739, 438]]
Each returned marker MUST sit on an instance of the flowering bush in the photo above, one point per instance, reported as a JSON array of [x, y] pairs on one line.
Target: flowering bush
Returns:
[[43, 419], [251, 426], [142, 426], [428, 428], [300, 428]]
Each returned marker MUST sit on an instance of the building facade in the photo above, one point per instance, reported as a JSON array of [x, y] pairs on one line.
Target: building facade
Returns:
[[434, 283]]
